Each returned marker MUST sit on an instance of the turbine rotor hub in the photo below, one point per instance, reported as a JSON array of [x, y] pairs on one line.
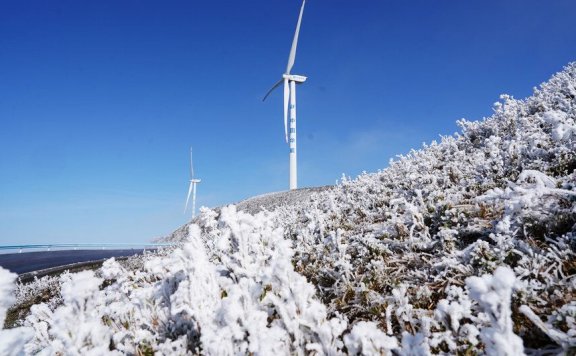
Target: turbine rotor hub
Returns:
[[295, 78]]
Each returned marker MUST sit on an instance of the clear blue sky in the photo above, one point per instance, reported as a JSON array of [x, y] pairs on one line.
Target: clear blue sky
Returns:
[[101, 100]]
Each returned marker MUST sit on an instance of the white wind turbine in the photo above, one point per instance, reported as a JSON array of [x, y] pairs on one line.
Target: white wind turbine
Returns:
[[290, 81], [192, 188]]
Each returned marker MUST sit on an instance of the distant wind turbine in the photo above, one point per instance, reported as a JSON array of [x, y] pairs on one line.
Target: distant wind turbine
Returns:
[[290, 81], [192, 188]]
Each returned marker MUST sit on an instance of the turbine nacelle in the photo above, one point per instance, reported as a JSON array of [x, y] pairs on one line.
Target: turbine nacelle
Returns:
[[195, 180], [295, 78]]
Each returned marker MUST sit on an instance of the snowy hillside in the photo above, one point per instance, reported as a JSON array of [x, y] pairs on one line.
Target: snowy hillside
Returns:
[[464, 246], [255, 205]]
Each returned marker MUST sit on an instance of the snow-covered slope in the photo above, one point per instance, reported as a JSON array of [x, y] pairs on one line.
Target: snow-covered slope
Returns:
[[464, 246], [254, 205], [276, 200]]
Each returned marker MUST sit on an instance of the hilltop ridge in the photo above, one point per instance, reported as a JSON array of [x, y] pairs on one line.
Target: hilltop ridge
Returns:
[[254, 205]]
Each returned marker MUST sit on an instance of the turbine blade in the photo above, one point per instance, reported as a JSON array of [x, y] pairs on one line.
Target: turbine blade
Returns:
[[273, 87], [188, 197], [292, 57], [191, 165], [286, 98]]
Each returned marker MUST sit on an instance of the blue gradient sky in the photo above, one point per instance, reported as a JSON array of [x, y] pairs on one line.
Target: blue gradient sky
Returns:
[[100, 101]]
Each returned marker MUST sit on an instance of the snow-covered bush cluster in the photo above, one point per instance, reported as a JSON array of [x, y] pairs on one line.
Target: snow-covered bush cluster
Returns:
[[464, 246]]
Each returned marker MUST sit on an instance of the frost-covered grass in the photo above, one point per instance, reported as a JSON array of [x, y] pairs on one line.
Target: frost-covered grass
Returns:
[[464, 246], [46, 289]]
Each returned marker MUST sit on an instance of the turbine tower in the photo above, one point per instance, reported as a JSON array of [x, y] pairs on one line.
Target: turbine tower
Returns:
[[290, 81], [192, 188]]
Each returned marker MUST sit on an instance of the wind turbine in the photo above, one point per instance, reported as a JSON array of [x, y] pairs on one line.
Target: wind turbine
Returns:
[[192, 188], [290, 81]]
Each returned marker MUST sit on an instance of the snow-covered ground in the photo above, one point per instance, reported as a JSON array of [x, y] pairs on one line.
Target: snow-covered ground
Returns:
[[464, 246], [254, 205]]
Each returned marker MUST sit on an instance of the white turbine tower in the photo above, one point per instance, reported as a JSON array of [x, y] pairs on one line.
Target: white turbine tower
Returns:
[[290, 81], [192, 188]]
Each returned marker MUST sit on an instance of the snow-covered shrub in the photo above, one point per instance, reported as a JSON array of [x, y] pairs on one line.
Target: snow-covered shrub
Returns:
[[12, 341], [267, 307], [493, 293], [7, 280], [76, 327], [560, 326], [367, 339]]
